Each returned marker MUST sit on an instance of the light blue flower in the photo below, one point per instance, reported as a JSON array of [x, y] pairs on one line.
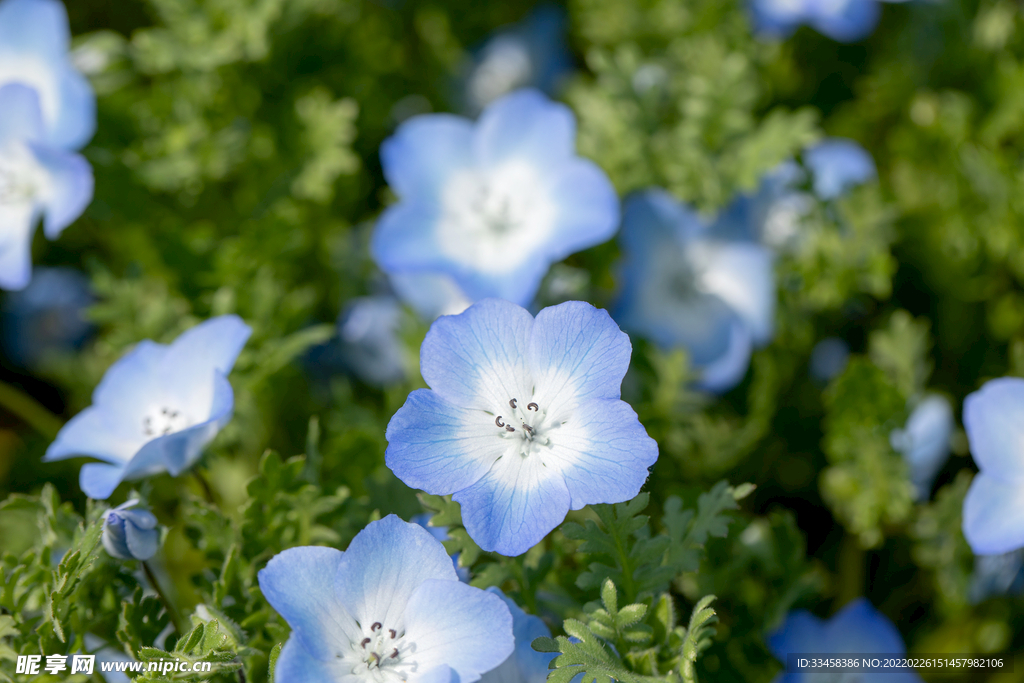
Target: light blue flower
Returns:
[[772, 214], [388, 609], [683, 286], [993, 519], [130, 533], [430, 294], [996, 575], [844, 20], [829, 358], [532, 53], [370, 344], [522, 421], [858, 628], [924, 441], [491, 204], [36, 181], [837, 164], [34, 40], [441, 534], [47, 317], [157, 407], [525, 665]]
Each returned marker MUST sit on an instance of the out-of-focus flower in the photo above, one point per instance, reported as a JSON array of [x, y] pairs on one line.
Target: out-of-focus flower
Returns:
[[390, 608], [828, 358], [441, 534], [993, 519], [856, 628], [844, 20], [525, 665], [34, 41], [107, 654], [156, 408], [996, 575], [532, 53], [837, 164], [523, 420], [430, 294], [46, 317], [370, 345], [924, 441], [491, 204], [130, 533], [36, 180], [684, 286], [771, 215]]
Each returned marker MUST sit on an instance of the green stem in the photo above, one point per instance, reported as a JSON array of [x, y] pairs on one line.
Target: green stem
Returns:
[[851, 570], [171, 612], [205, 485], [528, 592], [29, 410]]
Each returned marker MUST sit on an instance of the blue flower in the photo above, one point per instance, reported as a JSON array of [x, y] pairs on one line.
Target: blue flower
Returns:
[[996, 575], [522, 421], [430, 294], [924, 441], [532, 53], [441, 534], [828, 358], [525, 665], [47, 317], [844, 20], [130, 534], [684, 286], [856, 628], [370, 345], [771, 214], [993, 519], [36, 180], [34, 40], [156, 408], [838, 164], [388, 609], [491, 204]]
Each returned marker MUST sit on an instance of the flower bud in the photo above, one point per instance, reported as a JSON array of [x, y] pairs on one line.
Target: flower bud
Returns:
[[130, 534]]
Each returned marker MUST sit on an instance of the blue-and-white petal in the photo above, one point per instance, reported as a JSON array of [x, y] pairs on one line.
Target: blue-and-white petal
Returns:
[[423, 153], [525, 126], [838, 164], [69, 188], [525, 665], [993, 515], [994, 420], [853, 21], [295, 663]]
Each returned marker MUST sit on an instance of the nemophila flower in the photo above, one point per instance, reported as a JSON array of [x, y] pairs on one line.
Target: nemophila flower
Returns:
[[524, 665], [683, 286], [388, 609], [370, 345], [993, 519], [430, 294], [441, 534], [130, 533], [522, 421], [858, 628], [772, 214], [36, 181], [532, 53], [156, 408], [34, 41], [829, 358], [996, 575], [47, 317], [491, 204], [844, 20], [924, 441], [837, 164]]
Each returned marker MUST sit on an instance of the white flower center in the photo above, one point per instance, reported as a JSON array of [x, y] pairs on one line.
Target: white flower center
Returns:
[[493, 221], [21, 179], [381, 655], [164, 420], [527, 424]]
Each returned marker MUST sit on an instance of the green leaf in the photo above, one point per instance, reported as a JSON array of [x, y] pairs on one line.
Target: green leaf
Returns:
[[698, 636]]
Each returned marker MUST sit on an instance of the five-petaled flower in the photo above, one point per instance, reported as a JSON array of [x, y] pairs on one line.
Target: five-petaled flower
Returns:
[[130, 532], [838, 164], [993, 519], [494, 204], [36, 180], [523, 420], [388, 609], [156, 408], [844, 20]]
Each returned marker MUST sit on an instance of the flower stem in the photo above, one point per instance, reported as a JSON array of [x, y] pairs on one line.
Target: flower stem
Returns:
[[171, 612], [203, 484], [29, 410]]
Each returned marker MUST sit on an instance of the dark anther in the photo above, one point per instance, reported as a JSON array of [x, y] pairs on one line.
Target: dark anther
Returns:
[[512, 402], [498, 421], [376, 625], [375, 656], [532, 406], [366, 641], [528, 428], [392, 632], [510, 428], [395, 653], [164, 411]]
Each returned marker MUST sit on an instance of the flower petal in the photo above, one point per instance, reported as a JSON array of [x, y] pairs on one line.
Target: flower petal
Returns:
[[743, 276], [800, 632], [603, 453], [405, 241], [726, 371], [384, 565], [142, 543], [300, 584], [838, 164], [97, 432], [477, 359], [438, 447], [70, 188], [188, 369], [859, 627], [36, 27], [430, 294], [424, 151], [295, 663], [994, 421], [855, 21], [588, 208], [525, 125], [525, 665], [130, 382], [993, 517], [21, 117], [514, 505], [98, 480], [75, 123], [466, 628], [17, 222], [439, 674]]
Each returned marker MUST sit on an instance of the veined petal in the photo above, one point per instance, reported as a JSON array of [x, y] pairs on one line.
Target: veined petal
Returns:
[[994, 421], [993, 516], [70, 188], [577, 352], [588, 208], [384, 565], [96, 432], [468, 629], [438, 447], [478, 359], [525, 125], [514, 505], [300, 584], [424, 151], [439, 674], [295, 663], [603, 453]]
